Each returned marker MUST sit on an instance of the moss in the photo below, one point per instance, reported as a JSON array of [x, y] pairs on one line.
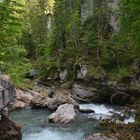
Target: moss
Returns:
[[96, 72]]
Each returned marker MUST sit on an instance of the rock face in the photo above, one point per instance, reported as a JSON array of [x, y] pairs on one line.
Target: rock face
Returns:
[[83, 94], [10, 130], [64, 114], [90, 94], [100, 137], [92, 90]]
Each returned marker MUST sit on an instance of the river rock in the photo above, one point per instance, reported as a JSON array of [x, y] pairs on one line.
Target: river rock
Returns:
[[86, 110], [38, 102], [31, 73], [100, 137], [18, 105], [26, 96], [64, 114], [23, 99], [10, 130]]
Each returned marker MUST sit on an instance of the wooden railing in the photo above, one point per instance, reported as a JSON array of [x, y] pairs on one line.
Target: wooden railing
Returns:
[[7, 93]]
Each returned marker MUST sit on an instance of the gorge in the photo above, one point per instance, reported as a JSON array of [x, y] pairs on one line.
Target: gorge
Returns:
[[75, 65]]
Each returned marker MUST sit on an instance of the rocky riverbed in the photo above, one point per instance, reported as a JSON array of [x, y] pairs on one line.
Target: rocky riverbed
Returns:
[[81, 112]]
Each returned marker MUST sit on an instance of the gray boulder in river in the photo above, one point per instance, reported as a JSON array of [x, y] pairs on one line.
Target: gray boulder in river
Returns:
[[63, 115]]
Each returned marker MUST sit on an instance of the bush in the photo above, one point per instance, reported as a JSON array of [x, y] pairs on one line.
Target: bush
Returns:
[[15, 64]]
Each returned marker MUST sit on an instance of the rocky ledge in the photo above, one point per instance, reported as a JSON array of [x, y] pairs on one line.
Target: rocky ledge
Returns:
[[87, 90], [50, 100]]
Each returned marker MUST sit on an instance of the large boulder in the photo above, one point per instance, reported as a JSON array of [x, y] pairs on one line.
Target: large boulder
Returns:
[[10, 130], [38, 102], [64, 114], [23, 99], [26, 96], [100, 137], [17, 105]]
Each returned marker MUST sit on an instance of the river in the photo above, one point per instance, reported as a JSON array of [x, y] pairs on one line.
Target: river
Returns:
[[35, 128]]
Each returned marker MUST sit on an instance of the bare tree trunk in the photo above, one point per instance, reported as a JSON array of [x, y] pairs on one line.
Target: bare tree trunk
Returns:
[[99, 38], [74, 30]]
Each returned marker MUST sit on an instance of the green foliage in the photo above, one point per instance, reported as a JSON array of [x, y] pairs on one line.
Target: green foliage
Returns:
[[130, 29], [14, 62], [71, 39], [96, 72], [12, 54], [76, 42], [36, 29], [10, 22]]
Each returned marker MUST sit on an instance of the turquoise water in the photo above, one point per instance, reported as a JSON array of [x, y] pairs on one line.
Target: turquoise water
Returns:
[[34, 127]]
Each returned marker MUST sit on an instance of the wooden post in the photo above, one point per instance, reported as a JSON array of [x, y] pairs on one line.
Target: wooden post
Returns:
[[9, 92], [13, 92], [3, 97]]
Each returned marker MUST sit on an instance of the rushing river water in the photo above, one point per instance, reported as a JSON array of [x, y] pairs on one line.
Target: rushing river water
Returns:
[[34, 127]]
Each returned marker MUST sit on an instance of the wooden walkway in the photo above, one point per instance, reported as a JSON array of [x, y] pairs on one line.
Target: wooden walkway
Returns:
[[7, 93]]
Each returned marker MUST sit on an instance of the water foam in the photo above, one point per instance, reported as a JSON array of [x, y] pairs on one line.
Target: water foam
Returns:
[[49, 134], [104, 112]]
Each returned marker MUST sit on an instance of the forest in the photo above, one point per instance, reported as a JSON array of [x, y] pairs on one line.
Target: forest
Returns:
[[47, 35], [74, 51]]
